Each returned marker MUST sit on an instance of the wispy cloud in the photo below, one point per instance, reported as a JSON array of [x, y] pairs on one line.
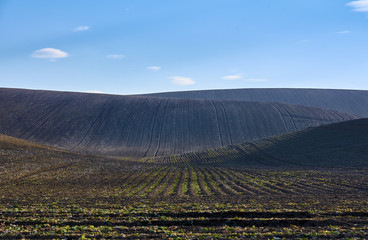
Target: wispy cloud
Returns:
[[115, 56], [233, 77], [182, 81], [154, 68], [49, 53], [359, 6], [94, 91], [344, 32], [81, 28], [257, 80]]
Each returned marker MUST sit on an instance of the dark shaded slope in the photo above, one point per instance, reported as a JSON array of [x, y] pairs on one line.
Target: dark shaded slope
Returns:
[[342, 144], [349, 101], [144, 126]]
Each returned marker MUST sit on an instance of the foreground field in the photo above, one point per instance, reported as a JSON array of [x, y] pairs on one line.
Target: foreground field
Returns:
[[256, 218], [183, 201], [47, 193]]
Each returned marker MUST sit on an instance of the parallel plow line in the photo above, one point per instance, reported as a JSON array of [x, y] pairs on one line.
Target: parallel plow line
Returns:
[[191, 181]]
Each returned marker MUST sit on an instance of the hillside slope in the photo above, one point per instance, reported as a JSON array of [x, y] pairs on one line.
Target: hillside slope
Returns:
[[343, 144], [25, 161], [349, 101], [20, 158], [145, 126]]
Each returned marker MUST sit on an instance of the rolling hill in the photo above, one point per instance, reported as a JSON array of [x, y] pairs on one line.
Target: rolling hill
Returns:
[[348, 101], [343, 144], [146, 126]]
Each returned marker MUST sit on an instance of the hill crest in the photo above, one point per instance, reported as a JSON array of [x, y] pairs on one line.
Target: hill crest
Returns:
[[349, 101]]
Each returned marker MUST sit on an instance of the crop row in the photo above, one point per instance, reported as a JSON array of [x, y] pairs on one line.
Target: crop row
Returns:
[[183, 181], [189, 181]]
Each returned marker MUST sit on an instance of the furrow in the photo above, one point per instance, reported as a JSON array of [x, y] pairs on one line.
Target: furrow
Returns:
[[204, 188], [111, 107], [235, 183], [220, 184], [260, 183], [226, 123], [225, 182], [155, 183], [77, 147], [42, 120], [281, 116], [194, 185], [158, 141], [245, 183], [152, 128], [211, 183], [134, 180], [291, 118], [145, 182], [163, 185], [174, 188], [217, 123], [183, 183]]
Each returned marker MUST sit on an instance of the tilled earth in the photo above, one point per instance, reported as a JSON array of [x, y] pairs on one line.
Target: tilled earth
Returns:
[[185, 202]]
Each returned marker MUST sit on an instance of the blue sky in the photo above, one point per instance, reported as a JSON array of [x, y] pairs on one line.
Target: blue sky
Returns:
[[137, 46]]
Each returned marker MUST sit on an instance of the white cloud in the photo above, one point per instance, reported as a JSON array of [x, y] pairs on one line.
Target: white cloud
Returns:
[[81, 28], [50, 53], [178, 80], [359, 6], [233, 77], [115, 56], [344, 32], [94, 91], [154, 68], [257, 80]]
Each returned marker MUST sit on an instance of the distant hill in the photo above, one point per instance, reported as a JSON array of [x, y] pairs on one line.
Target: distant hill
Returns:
[[348, 101], [146, 126], [343, 144]]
